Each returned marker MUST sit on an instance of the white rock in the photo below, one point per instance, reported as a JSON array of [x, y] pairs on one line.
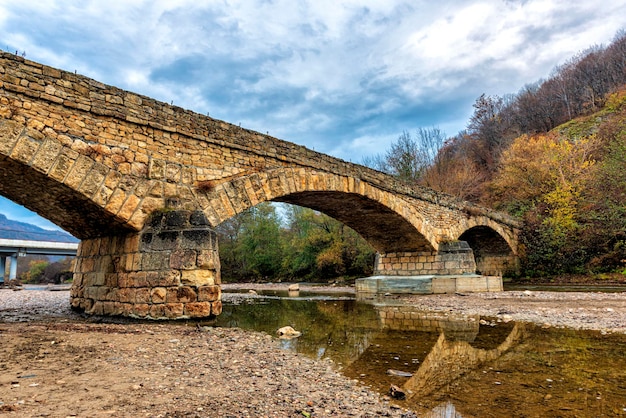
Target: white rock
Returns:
[[288, 332]]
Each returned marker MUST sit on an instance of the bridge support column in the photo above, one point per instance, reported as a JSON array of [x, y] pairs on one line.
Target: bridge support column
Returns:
[[455, 257], [13, 267], [3, 268], [451, 269], [170, 270]]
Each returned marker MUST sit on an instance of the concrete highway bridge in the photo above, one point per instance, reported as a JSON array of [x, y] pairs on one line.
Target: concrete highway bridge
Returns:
[[11, 249], [143, 184]]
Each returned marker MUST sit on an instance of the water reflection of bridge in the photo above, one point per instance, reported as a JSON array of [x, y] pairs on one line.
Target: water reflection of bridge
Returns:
[[436, 347]]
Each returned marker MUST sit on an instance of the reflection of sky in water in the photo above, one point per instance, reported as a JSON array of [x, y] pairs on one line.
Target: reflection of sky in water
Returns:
[[365, 346]]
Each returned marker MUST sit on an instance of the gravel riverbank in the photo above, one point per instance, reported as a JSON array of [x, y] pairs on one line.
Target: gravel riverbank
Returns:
[[55, 362]]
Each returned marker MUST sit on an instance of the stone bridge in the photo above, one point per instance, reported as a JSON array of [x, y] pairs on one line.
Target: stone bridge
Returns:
[[143, 184]]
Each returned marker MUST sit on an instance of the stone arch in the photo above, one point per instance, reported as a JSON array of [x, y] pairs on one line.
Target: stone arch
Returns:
[[71, 188], [384, 220], [509, 235]]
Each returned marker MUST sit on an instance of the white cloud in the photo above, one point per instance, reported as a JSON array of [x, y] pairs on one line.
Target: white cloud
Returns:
[[295, 67]]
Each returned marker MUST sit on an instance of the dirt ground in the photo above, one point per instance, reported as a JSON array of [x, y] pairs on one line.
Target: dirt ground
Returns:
[[56, 363]]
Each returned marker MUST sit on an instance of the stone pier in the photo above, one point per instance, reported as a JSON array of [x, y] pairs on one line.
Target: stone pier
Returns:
[[451, 269], [169, 270]]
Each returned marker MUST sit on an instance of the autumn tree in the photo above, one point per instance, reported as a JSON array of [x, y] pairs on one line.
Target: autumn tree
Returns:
[[321, 247], [250, 244], [409, 156], [455, 172]]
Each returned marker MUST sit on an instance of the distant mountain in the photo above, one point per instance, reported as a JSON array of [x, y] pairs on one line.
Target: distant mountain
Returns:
[[20, 230]]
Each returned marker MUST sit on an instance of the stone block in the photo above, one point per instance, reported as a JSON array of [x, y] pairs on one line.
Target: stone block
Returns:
[[197, 277], [216, 307], [206, 259], [471, 284], [126, 309], [111, 279], [182, 294], [209, 293], [196, 238], [97, 308], [198, 218], [158, 295], [110, 308], [157, 311], [155, 261], [494, 284], [160, 241], [183, 259], [176, 219], [166, 278], [198, 309], [443, 285], [141, 309], [139, 279], [142, 295], [122, 280], [126, 295], [174, 310], [25, 149]]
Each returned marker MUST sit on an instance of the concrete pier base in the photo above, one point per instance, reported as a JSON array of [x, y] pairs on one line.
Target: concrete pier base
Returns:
[[427, 284]]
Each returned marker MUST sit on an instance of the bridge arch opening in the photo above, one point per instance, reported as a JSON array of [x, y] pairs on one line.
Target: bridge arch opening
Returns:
[[386, 230], [493, 254], [32, 250]]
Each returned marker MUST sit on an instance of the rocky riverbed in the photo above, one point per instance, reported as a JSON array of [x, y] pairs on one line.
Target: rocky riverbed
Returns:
[[54, 362]]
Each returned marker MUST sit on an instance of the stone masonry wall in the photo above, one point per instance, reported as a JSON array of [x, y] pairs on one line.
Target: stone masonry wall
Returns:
[[497, 265], [170, 270], [453, 258]]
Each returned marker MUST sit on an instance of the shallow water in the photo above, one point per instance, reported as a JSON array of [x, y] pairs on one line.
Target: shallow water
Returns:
[[462, 365]]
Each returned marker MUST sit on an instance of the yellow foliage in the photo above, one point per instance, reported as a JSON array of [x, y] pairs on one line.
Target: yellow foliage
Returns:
[[563, 203], [543, 167], [617, 100]]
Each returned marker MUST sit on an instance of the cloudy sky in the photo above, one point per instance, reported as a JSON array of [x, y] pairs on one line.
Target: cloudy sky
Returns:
[[343, 77]]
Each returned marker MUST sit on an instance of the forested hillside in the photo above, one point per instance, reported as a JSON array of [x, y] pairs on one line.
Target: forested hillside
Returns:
[[302, 244], [554, 154]]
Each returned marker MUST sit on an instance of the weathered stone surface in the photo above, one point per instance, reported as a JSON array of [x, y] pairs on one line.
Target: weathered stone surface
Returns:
[[158, 295], [198, 277], [216, 307], [209, 293], [198, 309], [428, 284], [183, 259], [174, 310], [181, 294], [208, 259]]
